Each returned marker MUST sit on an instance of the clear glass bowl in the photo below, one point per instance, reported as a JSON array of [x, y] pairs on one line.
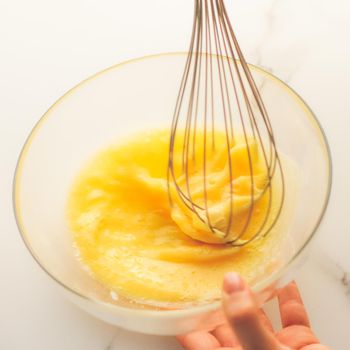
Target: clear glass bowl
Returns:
[[121, 100]]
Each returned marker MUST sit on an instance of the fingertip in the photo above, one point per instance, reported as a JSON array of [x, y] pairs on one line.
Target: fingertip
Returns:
[[240, 310], [243, 315], [237, 298], [233, 283]]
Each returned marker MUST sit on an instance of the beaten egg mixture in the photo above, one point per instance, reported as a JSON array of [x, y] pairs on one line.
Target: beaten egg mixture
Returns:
[[137, 245]]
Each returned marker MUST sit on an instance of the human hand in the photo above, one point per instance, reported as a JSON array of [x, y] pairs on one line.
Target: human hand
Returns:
[[248, 327]]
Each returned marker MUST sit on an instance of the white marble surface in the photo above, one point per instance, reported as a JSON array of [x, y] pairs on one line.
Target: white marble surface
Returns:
[[48, 46]]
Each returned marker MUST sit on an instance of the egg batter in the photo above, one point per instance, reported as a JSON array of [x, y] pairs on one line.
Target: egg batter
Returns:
[[137, 245]]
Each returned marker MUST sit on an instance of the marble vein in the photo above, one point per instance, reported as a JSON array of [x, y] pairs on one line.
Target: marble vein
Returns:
[[270, 17], [276, 51], [110, 344], [346, 282], [334, 269]]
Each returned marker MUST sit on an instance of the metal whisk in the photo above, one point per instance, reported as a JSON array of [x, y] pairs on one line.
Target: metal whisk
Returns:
[[218, 92]]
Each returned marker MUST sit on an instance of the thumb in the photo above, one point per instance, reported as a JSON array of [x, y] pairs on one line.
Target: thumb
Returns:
[[242, 313]]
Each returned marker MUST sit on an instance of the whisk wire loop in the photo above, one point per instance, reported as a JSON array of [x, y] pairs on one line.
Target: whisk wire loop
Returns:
[[218, 92]]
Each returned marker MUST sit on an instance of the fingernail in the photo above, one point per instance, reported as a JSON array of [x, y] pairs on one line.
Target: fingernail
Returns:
[[233, 283]]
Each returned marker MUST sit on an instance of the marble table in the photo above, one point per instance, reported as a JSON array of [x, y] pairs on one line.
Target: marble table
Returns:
[[48, 46]]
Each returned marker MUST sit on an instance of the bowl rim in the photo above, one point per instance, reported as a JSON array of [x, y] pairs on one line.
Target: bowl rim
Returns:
[[197, 309]]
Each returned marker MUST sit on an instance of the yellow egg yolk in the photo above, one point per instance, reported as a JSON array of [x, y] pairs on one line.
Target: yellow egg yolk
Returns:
[[137, 245]]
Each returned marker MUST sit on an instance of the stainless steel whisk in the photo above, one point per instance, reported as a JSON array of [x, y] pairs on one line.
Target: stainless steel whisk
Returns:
[[218, 91]]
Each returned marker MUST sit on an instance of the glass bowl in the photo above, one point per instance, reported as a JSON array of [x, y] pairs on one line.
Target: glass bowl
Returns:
[[124, 99]]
